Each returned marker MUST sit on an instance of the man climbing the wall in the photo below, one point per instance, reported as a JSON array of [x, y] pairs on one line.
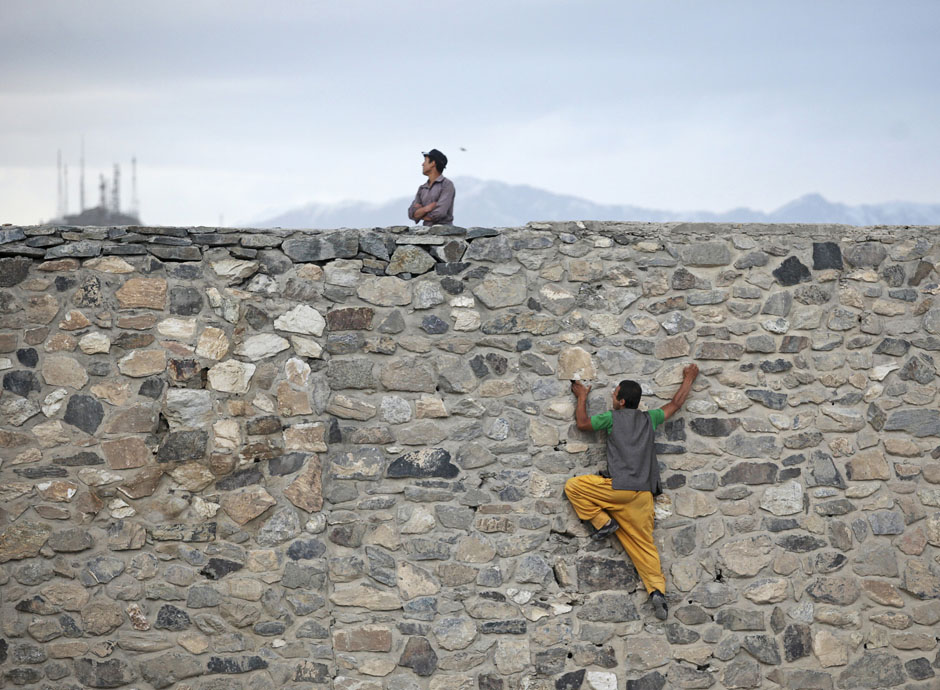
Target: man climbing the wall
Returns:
[[621, 502], [434, 202]]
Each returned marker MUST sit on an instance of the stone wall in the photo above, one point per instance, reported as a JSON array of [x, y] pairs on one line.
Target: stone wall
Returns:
[[249, 460]]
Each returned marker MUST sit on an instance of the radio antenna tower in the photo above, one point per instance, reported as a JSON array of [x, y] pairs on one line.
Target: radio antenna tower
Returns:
[[116, 190], [135, 202], [81, 180], [65, 190], [101, 188]]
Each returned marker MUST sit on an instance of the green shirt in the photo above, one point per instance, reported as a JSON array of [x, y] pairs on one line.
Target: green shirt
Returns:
[[605, 420]]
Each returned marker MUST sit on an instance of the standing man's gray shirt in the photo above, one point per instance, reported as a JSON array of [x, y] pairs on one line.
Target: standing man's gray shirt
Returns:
[[441, 192]]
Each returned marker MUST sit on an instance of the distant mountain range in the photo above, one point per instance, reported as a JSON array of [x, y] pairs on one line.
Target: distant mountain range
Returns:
[[497, 204]]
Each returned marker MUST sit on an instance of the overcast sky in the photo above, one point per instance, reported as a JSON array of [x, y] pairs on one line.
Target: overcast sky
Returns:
[[238, 109]]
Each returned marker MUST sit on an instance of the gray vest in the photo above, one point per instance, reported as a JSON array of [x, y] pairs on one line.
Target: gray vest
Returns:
[[631, 457]]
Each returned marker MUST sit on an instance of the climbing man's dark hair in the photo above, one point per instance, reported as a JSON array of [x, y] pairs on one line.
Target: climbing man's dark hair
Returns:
[[630, 393]]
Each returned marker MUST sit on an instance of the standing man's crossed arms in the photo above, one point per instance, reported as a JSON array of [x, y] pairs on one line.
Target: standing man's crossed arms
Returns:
[[622, 503]]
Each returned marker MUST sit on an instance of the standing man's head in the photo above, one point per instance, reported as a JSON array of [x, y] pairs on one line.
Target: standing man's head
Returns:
[[627, 394], [434, 164]]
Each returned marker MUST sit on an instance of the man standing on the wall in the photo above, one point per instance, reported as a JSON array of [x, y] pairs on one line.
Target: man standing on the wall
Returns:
[[434, 202], [622, 502]]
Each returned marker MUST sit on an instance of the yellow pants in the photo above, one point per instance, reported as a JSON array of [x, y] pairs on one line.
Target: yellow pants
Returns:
[[594, 500]]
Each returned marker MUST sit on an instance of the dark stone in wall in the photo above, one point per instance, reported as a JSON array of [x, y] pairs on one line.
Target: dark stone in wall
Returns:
[[572, 680], [792, 272], [826, 255], [217, 568], [235, 664], [172, 618], [750, 473], [183, 445], [21, 383], [28, 357], [428, 462], [714, 427], [419, 656], [84, 412], [13, 270]]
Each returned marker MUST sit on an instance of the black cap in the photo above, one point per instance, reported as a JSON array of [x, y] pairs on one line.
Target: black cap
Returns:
[[439, 158]]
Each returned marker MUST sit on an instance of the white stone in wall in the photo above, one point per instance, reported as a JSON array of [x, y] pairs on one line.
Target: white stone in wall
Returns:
[[264, 403], [54, 401], [574, 364], [306, 347], [785, 499], [466, 319], [263, 284], [297, 371], [188, 409], [385, 291], [731, 401], [605, 324], [120, 509], [227, 434], [343, 272], [262, 346], [226, 307], [95, 477], [94, 343], [231, 376], [182, 329], [301, 319], [234, 270], [213, 343], [395, 410]]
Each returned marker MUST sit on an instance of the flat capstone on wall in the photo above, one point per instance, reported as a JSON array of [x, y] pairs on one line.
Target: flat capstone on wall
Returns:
[[243, 460]]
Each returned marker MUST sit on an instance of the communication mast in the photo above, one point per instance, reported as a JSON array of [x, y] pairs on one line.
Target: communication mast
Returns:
[[101, 188], [65, 190], [116, 190]]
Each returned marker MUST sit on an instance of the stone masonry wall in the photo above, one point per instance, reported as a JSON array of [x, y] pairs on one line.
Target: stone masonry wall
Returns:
[[249, 460]]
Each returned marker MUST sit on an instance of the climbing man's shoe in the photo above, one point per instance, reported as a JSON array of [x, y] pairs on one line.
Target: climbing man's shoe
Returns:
[[605, 531], [660, 607]]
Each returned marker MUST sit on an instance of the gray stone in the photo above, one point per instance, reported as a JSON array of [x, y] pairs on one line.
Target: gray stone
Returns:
[[282, 526], [775, 401], [490, 249], [778, 304], [706, 254], [608, 607], [350, 373], [112, 673], [865, 254], [409, 259], [916, 422], [873, 670], [342, 244]]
